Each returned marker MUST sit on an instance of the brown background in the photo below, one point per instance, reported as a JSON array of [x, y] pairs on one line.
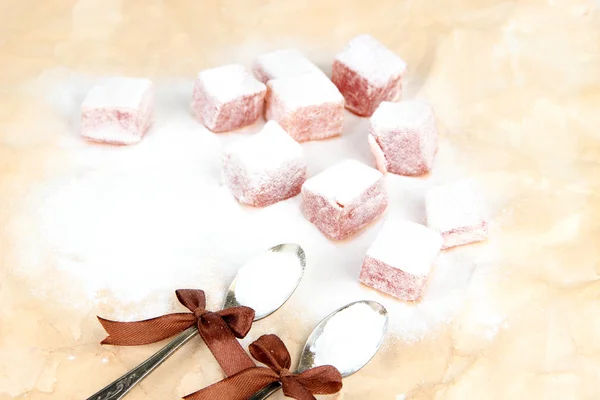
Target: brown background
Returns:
[[516, 88]]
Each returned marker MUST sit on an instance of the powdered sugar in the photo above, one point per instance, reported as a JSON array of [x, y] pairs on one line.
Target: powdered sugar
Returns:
[[344, 182], [350, 338], [270, 148], [282, 64], [264, 283], [456, 211], [372, 60], [229, 82], [117, 92], [406, 245], [454, 204], [407, 114], [305, 90]]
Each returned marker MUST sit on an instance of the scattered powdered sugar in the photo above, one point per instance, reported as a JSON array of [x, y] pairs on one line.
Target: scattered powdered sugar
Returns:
[[343, 182], [229, 82], [122, 228], [267, 281], [117, 92], [372, 60], [350, 338], [406, 114], [282, 64], [305, 90]]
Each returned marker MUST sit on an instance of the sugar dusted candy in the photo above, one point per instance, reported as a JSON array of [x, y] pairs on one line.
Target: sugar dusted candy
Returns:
[[344, 198], [265, 168], [456, 211], [227, 98], [400, 259], [308, 107], [367, 73], [118, 111], [403, 137], [283, 64]]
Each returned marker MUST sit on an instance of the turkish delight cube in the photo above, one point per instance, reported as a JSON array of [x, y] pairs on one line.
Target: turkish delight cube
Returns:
[[456, 210], [283, 64], [118, 111], [308, 107], [403, 137], [344, 198], [265, 168], [227, 98], [400, 259], [367, 73]]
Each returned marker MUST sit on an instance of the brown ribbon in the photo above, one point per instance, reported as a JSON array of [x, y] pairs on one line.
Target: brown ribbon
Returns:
[[270, 350], [217, 329]]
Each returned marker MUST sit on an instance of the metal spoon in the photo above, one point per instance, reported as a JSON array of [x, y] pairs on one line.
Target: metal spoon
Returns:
[[311, 357], [294, 256]]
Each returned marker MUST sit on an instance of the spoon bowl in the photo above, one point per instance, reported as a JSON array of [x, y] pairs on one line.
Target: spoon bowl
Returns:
[[347, 339], [268, 281], [361, 344]]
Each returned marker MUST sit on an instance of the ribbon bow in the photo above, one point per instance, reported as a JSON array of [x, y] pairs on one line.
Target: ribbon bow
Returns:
[[270, 350], [217, 329]]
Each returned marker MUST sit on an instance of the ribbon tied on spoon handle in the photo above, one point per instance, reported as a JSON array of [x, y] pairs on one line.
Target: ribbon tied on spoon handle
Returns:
[[219, 330], [271, 351]]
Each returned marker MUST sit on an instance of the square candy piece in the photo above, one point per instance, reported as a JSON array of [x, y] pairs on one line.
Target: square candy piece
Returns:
[[367, 73], [403, 137], [118, 111], [456, 211], [399, 260], [283, 64], [265, 168], [344, 198], [308, 107], [227, 98]]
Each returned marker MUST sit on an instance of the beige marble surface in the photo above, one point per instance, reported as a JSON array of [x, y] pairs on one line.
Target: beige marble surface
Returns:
[[516, 86]]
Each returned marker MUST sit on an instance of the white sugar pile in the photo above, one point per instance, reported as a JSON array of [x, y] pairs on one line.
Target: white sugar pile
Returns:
[[265, 282], [124, 227], [350, 338]]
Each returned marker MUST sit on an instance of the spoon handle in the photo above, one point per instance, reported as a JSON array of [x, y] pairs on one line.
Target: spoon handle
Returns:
[[266, 391], [119, 388]]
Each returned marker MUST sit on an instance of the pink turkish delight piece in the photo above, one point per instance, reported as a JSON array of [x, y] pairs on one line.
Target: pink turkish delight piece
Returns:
[[403, 137], [283, 64], [344, 198], [400, 259], [456, 211], [227, 98], [367, 73], [118, 111], [265, 168], [308, 107]]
